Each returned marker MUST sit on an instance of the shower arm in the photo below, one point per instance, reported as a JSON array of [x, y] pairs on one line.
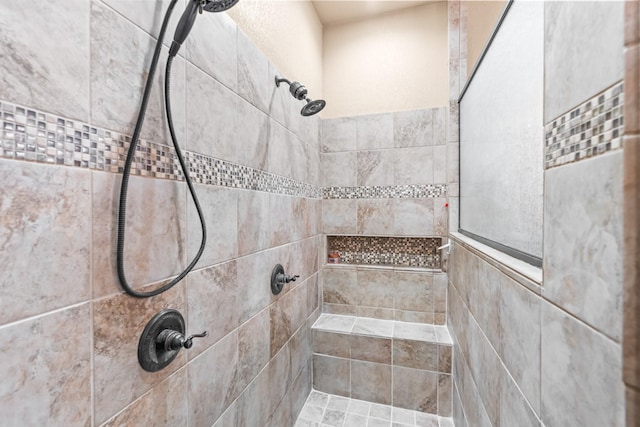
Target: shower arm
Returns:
[[278, 81]]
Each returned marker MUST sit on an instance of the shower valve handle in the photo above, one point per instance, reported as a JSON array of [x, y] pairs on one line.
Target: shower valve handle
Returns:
[[291, 278], [173, 340]]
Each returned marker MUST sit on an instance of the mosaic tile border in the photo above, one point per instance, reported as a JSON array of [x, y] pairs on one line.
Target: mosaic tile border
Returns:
[[387, 251], [35, 136], [387, 192], [592, 128]]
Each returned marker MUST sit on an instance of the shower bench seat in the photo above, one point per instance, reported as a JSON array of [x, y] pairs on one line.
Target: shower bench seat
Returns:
[[406, 365]]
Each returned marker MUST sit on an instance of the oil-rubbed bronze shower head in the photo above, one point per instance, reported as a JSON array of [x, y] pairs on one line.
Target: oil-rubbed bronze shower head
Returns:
[[299, 91]]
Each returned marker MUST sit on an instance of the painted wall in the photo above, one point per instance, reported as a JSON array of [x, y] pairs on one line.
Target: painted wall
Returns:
[[67, 110], [290, 35], [482, 17], [394, 62], [547, 352]]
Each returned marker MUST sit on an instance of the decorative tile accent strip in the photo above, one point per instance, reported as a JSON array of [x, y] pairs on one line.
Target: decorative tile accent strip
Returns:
[[211, 171], [34, 136], [387, 192], [31, 135], [388, 251], [592, 128]]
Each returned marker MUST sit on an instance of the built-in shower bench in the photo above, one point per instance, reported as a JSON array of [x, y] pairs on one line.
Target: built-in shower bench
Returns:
[[406, 365]]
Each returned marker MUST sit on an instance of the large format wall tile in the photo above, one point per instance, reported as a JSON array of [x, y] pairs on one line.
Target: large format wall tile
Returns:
[[583, 240], [120, 58], [414, 166], [253, 221], [340, 216], [164, 405], [148, 15], [45, 233], [212, 111], [375, 131], [39, 70], [570, 46], [118, 321], [253, 136], [413, 128], [154, 244], [581, 384], [339, 169], [254, 292], [220, 208], [43, 383], [212, 47], [339, 135], [376, 167], [254, 80], [213, 381], [212, 294]]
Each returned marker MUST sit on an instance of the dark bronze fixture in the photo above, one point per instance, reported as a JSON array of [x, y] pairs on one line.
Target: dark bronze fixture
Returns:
[[299, 92], [279, 279], [162, 339]]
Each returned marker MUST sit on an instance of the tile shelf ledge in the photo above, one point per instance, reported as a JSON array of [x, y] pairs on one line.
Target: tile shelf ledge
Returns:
[[382, 267], [526, 274]]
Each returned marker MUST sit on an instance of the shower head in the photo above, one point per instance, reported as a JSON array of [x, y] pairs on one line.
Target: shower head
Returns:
[[218, 5], [299, 91], [189, 18], [313, 107]]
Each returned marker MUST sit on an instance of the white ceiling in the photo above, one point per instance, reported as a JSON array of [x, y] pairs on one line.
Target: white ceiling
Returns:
[[338, 11]]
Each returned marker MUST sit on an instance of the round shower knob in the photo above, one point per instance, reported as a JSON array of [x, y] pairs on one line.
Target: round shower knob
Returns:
[[162, 339]]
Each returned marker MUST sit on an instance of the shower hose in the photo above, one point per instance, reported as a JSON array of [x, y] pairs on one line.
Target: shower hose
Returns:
[[127, 170]]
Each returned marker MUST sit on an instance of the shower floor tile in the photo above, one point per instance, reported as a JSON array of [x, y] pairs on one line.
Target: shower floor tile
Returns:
[[327, 410]]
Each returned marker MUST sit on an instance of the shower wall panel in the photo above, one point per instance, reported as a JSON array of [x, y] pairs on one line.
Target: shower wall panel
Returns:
[[69, 95], [547, 351]]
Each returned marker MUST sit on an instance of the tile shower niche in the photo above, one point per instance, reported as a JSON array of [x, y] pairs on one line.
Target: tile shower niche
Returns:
[[420, 252]]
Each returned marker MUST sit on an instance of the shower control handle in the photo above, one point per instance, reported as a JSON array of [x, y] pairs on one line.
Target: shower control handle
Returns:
[[173, 340], [279, 279], [288, 279]]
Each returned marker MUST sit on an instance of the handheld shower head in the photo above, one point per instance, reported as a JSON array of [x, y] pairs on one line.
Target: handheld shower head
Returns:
[[219, 5], [189, 18], [299, 91]]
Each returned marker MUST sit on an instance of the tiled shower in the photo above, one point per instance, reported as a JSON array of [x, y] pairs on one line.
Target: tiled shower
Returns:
[[399, 332]]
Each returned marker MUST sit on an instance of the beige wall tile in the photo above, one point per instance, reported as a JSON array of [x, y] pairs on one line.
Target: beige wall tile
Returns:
[[212, 295], [332, 375], [371, 382], [155, 248], [371, 349], [568, 347], [583, 240], [165, 404], [415, 354], [332, 344], [45, 229], [117, 323], [417, 390], [205, 382], [43, 382]]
